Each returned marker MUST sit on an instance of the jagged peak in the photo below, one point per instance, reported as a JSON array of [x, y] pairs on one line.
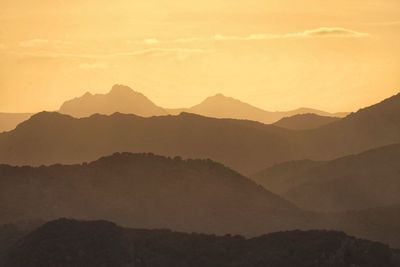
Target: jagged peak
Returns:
[[87, 94], [121, 89]]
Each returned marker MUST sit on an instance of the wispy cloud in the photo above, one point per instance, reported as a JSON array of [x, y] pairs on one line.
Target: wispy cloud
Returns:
[[93, 66], [135, 53], [314, 33], [323, 32], [330, 32]]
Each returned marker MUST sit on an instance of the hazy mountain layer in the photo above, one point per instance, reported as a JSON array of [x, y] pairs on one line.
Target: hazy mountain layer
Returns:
[[305, 121], [245, 146], [144, 190], [120, 99], [66, 242], [220, 106], [369, 179]]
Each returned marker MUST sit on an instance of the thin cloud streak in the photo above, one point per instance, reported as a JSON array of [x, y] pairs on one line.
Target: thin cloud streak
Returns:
[[136, 53], [323, 32]]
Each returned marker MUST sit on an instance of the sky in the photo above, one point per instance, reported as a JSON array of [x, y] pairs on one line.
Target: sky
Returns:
[[277, 55]]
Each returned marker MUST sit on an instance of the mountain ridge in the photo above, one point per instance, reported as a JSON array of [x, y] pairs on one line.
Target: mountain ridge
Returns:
[[101, 243]]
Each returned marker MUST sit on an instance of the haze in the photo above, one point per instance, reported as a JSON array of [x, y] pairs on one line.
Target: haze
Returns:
[[277, 55]]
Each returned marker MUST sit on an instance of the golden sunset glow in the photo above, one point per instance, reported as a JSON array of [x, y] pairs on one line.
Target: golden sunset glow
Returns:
[[277, 55]]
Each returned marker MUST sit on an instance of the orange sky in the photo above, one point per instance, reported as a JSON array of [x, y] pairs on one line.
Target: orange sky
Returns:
[[278, 55]]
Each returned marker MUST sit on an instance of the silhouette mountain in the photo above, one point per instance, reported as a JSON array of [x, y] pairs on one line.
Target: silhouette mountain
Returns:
[[220, 106], [120, 99], [381, 224], [366, 180], [67, 242], [144, 190], [49, 138], [282, 177], [245, 146], [371, 127], [8, 121], [305, 121]]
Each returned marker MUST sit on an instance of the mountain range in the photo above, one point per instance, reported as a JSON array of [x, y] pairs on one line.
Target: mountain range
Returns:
[[220, 106], [149, 191], [246, 146], [123, 99], [369, 179], [146, 191], [67, 242]]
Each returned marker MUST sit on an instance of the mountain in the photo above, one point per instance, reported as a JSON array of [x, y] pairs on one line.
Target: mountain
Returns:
[[49, 138], [8, 121], [380, 224], [245, 146], [146, 191], [366, 180], [220, 106], [305, 121], [282, 177], [120, 99], [67, 242], [371, 127]]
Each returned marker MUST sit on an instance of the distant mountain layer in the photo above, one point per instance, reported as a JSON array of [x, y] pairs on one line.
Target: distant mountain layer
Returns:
[[220, 106], [305, 121], [67, 242], [125, 100], [369, 179], [147, 191], [8, 121], [245, 146], [120, 99]]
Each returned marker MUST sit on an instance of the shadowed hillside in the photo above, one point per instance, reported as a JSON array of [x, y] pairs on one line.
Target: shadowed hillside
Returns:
[[305, 121], [144, 190], [148, 191], [120, 99], [371, 127], [100, 243], [49, 138], [370, 179]]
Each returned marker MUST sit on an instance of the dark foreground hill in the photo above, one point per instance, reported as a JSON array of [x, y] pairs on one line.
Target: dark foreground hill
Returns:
[[147, 191], [67, 242], [366, 180], [245, 146]]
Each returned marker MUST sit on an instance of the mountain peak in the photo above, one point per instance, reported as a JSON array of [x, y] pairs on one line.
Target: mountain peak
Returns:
[[87, 94], [120, 98], [121, 89], [220, 95]]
